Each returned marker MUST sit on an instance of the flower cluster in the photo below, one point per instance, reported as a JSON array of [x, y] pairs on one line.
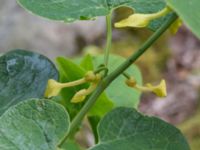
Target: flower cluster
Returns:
[[54, 87]]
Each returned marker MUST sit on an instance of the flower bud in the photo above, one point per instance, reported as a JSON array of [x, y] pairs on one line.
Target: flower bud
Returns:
[[79, 96], [131, 82], [90, 76]]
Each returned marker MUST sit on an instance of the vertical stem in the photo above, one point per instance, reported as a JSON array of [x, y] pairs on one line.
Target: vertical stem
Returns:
[[109, 38]]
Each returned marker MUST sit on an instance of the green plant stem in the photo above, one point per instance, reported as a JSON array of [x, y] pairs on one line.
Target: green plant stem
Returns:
[[111, 77], [126, 75], [109, 38], [101, 69]]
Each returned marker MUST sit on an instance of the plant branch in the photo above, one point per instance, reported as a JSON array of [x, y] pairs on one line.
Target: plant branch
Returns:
[[111, 77], [109, 38], [126, 75], [144, 47]]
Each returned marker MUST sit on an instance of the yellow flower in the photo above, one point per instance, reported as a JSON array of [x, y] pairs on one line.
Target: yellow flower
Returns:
[[53, 88], [175, 26], [136, 20], [81, 95], [159, 90], [141, 20]]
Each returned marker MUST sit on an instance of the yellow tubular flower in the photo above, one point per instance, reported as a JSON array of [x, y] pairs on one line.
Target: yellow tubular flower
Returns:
[[141, 20], [54, 87], [159, 90], [81, 95], [135, 20], [175, 26]]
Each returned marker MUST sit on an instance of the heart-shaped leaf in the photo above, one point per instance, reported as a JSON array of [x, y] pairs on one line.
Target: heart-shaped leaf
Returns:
[[125, 128], [23, 75], [71, 10], [33, 125], [188, 10]]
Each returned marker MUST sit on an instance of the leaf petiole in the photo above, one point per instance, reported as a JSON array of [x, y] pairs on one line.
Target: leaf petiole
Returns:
[[109, 38]]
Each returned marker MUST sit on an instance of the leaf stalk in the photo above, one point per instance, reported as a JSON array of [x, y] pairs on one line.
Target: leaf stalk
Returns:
[[109, 38]]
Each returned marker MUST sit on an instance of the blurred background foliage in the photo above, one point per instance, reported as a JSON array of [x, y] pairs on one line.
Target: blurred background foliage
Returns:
[[173, 57]]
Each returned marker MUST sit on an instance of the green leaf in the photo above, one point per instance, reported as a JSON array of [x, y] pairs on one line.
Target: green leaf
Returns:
[[94, 121], [69, 71], [33, 125], [72, 10], [118, 92], [98, 110], [125, 128], [188, 10], [23, 75], [87, 62]]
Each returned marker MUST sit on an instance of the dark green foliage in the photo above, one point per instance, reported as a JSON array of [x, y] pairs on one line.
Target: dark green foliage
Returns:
[[23, 75]]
